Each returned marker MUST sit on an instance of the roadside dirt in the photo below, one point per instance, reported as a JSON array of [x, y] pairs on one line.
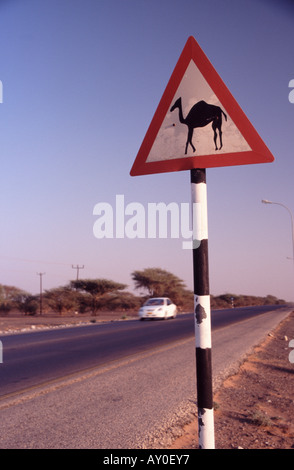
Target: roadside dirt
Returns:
[[254, 409], [15, 322]]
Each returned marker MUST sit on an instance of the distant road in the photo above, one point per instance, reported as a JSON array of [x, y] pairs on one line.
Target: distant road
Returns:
[[31, 359], [122, 385]]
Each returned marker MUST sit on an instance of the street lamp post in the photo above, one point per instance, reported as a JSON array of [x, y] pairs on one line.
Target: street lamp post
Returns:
[[266, 201], [41, 292]]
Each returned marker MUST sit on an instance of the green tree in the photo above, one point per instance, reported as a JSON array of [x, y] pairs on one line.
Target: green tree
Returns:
[[96, 288], [160, 283], [12, 297], [26, 303], [61, 299], [121, 301]]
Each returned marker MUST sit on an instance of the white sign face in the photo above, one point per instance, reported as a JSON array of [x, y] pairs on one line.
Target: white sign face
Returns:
[[172, 137]]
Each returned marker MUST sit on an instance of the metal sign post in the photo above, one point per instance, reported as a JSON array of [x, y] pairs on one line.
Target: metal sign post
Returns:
[[202, 311]]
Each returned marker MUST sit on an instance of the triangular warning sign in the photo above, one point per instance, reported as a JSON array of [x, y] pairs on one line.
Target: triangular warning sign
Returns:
[[198, 123]]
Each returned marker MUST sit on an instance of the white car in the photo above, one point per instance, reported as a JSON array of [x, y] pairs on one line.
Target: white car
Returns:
[[158, 307]]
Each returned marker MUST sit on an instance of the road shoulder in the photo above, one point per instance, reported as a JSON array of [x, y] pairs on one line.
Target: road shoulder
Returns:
[[254, 408]]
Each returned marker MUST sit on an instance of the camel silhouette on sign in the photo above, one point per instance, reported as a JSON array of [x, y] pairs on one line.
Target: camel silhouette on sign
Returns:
[[200, 115]]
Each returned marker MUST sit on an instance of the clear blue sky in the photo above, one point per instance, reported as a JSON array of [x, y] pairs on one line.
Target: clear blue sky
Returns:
[[81, 82]]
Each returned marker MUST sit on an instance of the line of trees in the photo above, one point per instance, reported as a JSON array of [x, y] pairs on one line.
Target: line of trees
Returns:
[[233, 300], [92, 295]]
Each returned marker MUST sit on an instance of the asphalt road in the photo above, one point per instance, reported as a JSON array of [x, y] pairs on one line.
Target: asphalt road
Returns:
[[31, 359], [135, 393]]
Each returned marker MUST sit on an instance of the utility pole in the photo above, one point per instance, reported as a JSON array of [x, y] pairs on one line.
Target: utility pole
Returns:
[[41, 290], [78, 269]]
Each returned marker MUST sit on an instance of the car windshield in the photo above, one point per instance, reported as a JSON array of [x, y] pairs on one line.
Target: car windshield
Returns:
[[154, 302]]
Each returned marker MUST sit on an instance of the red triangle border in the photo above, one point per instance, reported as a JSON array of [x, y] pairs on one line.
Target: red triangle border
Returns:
[[259, 153]]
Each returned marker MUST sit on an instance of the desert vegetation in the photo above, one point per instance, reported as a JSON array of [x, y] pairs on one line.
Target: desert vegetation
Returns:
[[94, 295]]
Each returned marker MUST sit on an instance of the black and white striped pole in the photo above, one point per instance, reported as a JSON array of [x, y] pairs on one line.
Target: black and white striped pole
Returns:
[[202, 310]]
